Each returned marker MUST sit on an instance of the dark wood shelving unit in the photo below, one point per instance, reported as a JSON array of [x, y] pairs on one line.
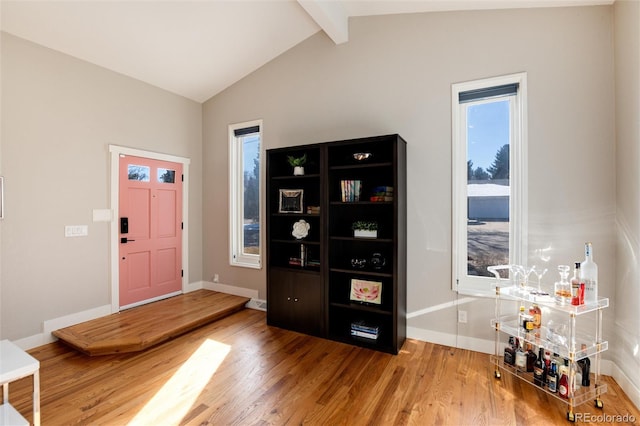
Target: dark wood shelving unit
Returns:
[[315, 299]]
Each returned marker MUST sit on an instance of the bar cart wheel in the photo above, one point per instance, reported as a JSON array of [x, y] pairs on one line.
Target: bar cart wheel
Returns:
[[571, 417], [496, 374], [599, 403]]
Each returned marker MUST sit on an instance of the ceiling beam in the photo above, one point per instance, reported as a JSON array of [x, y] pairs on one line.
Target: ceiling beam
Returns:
[[330, 16]]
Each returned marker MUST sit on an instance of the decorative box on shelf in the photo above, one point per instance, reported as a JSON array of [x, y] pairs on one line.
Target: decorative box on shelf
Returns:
[[382, 193]]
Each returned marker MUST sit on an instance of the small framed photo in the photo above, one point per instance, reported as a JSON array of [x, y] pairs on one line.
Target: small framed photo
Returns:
[[290, 201], [366, 291]]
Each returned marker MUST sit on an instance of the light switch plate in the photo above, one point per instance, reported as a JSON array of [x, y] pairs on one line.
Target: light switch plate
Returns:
[[102, 215], [76, 231]]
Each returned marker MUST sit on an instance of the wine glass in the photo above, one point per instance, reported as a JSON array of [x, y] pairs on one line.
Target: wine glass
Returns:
[[539, 273], [518, 276], [527, 274]]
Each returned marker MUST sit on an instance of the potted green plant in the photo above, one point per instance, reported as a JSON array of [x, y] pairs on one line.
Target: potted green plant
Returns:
[[365, 229], [297, 163]]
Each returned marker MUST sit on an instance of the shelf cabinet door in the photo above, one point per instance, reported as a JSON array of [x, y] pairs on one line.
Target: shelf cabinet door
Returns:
[[295, 301], [279, 311]]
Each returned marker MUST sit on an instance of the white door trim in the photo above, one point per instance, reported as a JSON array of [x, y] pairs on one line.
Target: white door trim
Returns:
[[116, 151]]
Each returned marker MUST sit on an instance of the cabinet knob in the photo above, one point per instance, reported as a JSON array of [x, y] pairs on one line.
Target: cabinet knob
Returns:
[[295, 300], [288, 299]]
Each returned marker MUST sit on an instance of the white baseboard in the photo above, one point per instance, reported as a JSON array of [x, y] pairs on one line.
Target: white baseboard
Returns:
[[230, 289], [431, 336], [629, 388], [448, 339], [188, 288], [254, 303], [61, 322]]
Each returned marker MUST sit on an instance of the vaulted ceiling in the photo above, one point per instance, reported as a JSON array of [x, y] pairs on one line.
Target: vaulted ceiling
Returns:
[[198, 48]]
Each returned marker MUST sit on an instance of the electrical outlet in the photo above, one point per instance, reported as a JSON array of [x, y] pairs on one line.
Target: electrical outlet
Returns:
[[216, 278], [462, 317]]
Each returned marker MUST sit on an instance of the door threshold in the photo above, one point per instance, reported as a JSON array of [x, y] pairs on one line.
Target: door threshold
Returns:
[[154, 299]]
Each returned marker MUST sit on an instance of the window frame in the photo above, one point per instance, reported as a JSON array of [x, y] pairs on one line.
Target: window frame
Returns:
[[237, 257], [518, 173]]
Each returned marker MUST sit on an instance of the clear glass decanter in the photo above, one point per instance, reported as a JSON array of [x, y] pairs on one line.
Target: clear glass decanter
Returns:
[[562, 288]]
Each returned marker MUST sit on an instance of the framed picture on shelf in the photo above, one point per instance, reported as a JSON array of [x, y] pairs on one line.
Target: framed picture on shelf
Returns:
[[366, 291], [290, 201]]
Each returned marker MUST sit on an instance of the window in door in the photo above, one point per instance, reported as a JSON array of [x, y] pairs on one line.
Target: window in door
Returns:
[[489, 178], [244, 145]]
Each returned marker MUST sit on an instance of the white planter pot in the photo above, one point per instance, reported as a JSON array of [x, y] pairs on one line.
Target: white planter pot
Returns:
[[298, 171], [361, 233]]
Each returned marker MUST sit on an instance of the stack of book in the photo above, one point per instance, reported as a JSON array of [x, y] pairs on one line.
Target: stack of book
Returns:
[[350, 190], [313, 263], [382, 193], [360, 329], [313, 209], [295, 261]]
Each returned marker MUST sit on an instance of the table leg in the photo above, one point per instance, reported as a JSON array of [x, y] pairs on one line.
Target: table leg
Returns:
[[36, 398]]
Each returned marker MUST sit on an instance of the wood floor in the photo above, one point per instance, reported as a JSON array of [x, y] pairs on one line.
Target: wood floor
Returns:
[[239, 371], [140, 328]]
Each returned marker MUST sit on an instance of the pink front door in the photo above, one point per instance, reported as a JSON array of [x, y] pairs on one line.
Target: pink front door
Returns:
[[150, 220]]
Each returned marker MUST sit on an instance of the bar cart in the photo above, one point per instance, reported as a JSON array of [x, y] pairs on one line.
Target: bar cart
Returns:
[[568, 343]]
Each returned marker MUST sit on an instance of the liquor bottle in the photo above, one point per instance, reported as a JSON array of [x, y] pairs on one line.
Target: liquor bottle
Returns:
[[547, 364], [510, 352], [575, 285], [563, 384], [536, 313], [521, 357], [531, 358], [525, 320], [589, 275], [539, 369], [585, 365], [576, 370], [552, 377], [559, 360]]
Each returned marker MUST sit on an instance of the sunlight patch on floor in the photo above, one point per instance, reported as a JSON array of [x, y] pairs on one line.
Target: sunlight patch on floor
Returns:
[[172, 403]]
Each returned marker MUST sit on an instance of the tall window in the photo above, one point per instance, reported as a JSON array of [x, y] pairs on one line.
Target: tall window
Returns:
[[489, 178], [244, 147]]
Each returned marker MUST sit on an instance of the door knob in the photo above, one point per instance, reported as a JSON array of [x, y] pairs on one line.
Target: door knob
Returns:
[[124, 240]]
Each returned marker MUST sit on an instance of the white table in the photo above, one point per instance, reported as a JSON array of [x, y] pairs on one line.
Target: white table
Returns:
[[16, 364]]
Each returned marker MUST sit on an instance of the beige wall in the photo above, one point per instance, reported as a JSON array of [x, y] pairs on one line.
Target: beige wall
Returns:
[[395, 75], [59, 115], [626, 351]]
